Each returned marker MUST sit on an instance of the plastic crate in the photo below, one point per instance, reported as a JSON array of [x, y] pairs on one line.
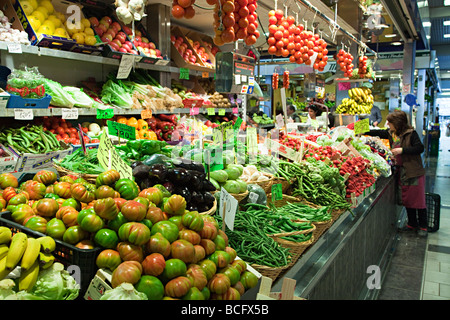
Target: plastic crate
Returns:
[[64, 253], [29, 103], [433, 201]]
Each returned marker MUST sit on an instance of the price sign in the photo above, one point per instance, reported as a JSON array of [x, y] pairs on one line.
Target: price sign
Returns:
[[227, 130], [221, 112], [126, 63], [121, 130], [184, 73], [253, 197], [211, 112], [69, 114], [14, 48], [252, 141], [235, 111], [194, 111], [277, 192], [23, 114], [110, 159], [146, 114], [105, 113], [217, 136], [362, 126], [230, 209], [238, 123], [205, 74]]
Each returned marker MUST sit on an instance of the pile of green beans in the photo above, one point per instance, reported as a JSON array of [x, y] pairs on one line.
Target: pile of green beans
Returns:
[[30, 139], [251, 242], [298, 210]]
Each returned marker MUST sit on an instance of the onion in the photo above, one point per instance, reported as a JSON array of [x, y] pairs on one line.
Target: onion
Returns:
[[95, 128]]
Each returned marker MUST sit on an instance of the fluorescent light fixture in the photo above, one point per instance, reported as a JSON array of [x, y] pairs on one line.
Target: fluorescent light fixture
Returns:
[[426, 24], [428, 37], [422, 4], [393, 35], [396, 43], [447, 35], [446, 2], [447, 23]]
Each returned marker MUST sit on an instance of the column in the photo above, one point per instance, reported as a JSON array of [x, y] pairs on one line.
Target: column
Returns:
[[409, 61], [422, 78]]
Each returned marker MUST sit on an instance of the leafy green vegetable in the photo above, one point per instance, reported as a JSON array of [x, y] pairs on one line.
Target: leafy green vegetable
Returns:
[[60, 98], [114, 92], [55, 283], [82, 100], [125, 291]]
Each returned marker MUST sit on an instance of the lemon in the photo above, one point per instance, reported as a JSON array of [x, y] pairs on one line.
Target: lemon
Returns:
[[33, 3], [45, 30], [86, 23], [55, 20], [50, 25], [35, 23], [44, 11], [90, 40], [89, 31], [61, 32], [39, 16], [48, 5], [60, 15], [27, 8], [79, 38]]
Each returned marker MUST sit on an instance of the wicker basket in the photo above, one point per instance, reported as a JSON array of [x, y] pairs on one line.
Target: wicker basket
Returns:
[[238, 196], [266, 185], [64, 172], [335, 214], [212, 210], [285, 184], [270, 272]]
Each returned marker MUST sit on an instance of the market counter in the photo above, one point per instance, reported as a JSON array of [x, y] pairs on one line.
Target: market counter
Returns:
[[353, 254]]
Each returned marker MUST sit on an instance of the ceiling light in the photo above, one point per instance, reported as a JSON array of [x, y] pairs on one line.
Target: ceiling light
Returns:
[[393, 35], [447, 23], [446, 2], [428, 37], [447, 35], [396, 43], [427, 24], [422, 4]]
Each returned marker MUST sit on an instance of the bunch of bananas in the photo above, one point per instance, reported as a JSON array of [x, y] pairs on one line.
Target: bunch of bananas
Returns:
[[31, 254], [360, 102]]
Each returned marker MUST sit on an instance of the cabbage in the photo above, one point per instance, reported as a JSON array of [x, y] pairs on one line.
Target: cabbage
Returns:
[[82, 100], [125, 291], [55, 283], [6, 288], [60, 98]]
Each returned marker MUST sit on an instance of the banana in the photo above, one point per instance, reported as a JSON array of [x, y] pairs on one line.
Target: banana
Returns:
[[31, 253], [5, 235], [3, 271], [16, 249], [48, 244], [28, 277], [3, 250], [46, 260]]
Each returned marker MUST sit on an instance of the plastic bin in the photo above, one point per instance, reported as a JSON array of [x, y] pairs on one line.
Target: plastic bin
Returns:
[[433, 201], [65, 253]]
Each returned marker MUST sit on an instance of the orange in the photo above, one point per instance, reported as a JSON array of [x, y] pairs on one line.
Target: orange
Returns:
[[132, 122]]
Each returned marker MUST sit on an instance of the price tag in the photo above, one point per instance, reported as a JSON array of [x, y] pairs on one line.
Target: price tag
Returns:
[[362, 126], [235, 111], [211, 112], [126, 63], [221, 112], [205, 74], [217, 136], [194, 111], [277, 191], [69, 114], [14, 48], [230, 210], [105, 113], [238, 123], [184, 73], [23, 114], [146, 114], [121, 130], [253, 197], [252, 141], [109, 158]]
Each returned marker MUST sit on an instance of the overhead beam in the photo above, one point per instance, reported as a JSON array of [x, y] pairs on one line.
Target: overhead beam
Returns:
[[439, 12]]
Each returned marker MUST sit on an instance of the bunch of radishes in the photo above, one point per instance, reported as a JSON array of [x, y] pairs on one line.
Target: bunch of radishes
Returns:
[[345, 61], [234, 20]]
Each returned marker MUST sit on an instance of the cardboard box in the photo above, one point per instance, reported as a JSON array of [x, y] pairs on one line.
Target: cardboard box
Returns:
[[8, 163], [30, 161], [4, 98], [195, 36], [99, 284]]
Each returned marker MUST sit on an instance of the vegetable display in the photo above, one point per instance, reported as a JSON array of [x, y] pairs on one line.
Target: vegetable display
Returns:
[[30, 139]]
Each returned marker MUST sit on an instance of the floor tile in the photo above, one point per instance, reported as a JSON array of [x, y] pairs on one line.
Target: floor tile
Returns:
[[431, 288], [444, 267], [432, 297], [444, 290], [432, 265], [437, 277]]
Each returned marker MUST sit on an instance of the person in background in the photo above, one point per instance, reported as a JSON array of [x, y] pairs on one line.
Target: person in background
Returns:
[[292, 113], [407, 148], [316, 113], [375, 116]]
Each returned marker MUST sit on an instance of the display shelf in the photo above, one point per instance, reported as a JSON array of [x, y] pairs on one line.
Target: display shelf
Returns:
[[9, 112], [60, 54]]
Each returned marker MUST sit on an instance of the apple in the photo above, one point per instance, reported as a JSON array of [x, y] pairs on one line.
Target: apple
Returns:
[[129, 43], [117, 42], [172, 38], [189, 51], [107, 19], [137, 38], [151, 45], [127, 30], [116, 26], [136, 43], [105, 23], [192, 59], [157, 52], [152, 52], [111, 32], [133, 51], [103, 27], [123, 50], [138, 33], [144, 39], [99, 31], [94, 21], [107, 38], [126, 46], [114, 46]]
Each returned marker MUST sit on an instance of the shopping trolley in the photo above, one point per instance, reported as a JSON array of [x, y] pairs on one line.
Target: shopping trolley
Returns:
[[433, 201]]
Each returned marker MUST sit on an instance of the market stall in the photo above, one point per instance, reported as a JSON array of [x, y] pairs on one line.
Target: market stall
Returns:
[[153, 170]]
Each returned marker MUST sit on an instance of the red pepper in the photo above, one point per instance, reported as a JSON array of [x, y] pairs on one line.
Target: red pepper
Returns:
[[152, 123], [167, 136], [169, 117]]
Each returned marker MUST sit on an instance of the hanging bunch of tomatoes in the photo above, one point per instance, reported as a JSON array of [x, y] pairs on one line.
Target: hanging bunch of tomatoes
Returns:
[[345, 61], [234, 20], [362, 66], [286, 79], [183, 9], [275, 81], [286, 39]]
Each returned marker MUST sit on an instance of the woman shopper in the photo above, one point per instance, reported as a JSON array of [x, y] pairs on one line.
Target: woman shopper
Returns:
[[407, 148]]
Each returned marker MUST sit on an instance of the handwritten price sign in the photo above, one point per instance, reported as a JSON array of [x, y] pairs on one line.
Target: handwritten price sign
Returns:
[[23, 114], [105, 114], [121, 130]]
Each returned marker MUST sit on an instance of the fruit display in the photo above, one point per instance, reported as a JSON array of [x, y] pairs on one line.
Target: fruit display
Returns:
[[143, 130], [201, 52], [229, 179], [264, 119], [360, 102], [165, 127], [183, 48], [345, 61], [219, 100], [10, 34], [142, 43]]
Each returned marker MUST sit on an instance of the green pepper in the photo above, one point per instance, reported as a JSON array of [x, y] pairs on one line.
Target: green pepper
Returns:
[[150, 147]]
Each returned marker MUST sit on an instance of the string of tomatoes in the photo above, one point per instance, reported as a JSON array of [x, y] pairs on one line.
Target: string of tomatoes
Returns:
[[345, 60], [183, 9]]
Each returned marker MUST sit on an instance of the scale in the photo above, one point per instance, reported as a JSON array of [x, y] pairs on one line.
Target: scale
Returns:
[[235, 73]]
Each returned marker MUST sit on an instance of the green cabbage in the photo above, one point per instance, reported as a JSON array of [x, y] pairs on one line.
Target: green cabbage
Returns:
[[82, 100], [125, 291], [6, 288], [60, 98]]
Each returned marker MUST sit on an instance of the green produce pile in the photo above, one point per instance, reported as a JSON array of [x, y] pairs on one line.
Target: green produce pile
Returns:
[[264, 119], [82, 163], [30, 139]]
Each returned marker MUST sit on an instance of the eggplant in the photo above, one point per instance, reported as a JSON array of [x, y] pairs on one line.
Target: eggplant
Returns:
[[135, 164], [196, 182], [178, 176], [158, 171], [203, 207], [141, 171], [191, 207], [208, 198], [197, 197], [208, 186], [184, 192], [189, 165], [169, 186]]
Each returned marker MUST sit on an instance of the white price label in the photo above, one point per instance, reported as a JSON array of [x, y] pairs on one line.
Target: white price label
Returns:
[[69, 114], [14, 48], [253, 197], [231, 207], [126, 63], [23, 114]]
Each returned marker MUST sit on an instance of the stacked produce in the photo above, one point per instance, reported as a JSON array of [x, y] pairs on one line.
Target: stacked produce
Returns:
[[30, 139], [229, 179], [142, 127], [264, 119], [10, 34], [345, 60], [201, 52], [183, 9], [360, 102], [65, 131], [219, 100], [165, 127], [184, 50], [142, 43]]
